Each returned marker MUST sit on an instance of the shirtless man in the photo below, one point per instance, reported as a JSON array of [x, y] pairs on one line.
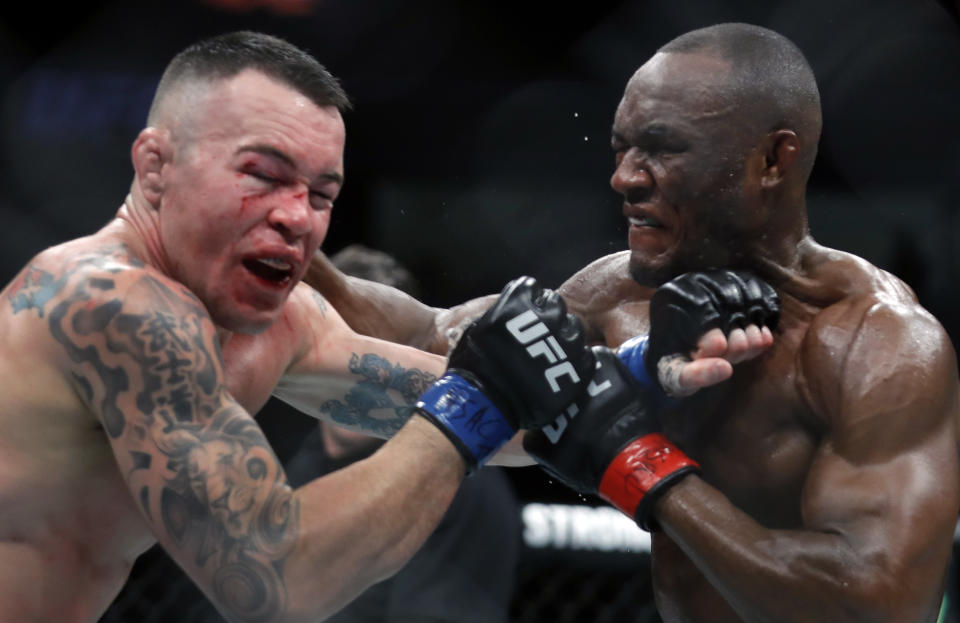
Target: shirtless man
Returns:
[[134, 357], [828, 478]]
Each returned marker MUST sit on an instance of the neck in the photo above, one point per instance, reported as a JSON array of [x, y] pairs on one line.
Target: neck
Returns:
[[778, 246], [806, 280], [143, 234], [140, 230]]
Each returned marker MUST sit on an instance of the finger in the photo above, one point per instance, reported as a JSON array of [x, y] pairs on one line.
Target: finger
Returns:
[[754, 337], [713, 343], [753, 347], [680, 377], [767, 336], [757, 342], [738, 346]]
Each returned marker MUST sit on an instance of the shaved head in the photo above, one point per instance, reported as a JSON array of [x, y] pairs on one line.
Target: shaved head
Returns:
[[190, 74], [769, 78]]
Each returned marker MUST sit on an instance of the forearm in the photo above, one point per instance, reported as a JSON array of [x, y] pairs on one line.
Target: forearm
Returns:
[[371, 308], [783, 575], [381, 311], [361, 524], [365, 385]]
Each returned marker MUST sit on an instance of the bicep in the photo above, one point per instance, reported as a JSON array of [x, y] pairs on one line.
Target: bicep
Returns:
[[217, 500], [146, 359], [888, 462], [877, 506], [355, 381]]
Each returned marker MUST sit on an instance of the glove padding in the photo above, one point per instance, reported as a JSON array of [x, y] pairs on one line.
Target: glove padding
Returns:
[[518, 365], [609, 443], [688, 306]]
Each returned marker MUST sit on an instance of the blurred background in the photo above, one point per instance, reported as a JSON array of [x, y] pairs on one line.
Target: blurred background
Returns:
[[479, 150]]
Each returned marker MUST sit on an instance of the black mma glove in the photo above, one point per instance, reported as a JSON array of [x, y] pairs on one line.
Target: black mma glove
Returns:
[[609, 443], [688, 306], [517, 366]]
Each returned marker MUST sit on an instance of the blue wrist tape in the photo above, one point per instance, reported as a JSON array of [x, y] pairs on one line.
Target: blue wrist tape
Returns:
[[468, 414], [633, 354]]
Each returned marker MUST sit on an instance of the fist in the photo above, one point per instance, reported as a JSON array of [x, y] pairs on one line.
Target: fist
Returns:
[[518, 365], [609, 443], [685, 308], [527, 353]]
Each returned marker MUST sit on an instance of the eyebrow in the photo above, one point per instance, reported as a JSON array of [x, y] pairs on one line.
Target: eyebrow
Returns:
[[655, 130], [268, 150]]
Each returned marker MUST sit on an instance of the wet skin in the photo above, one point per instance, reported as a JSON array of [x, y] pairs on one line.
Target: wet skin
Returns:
[[135, 357], [829, 486], [818, 457]]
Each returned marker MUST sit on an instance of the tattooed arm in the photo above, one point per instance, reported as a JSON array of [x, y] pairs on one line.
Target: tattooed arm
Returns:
[[359, 382], [143, 354]]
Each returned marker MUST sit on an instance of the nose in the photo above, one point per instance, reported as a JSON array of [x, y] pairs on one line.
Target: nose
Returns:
[[292, 215], [631, 175]]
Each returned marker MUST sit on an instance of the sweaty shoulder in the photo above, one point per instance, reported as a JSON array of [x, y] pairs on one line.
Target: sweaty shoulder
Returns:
[[110, 270], [85, 310], [87, 273], [871, 333], [611, 304]]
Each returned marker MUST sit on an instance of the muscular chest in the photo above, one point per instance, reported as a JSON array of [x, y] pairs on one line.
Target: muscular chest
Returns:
[[61, 491], [753, 436]]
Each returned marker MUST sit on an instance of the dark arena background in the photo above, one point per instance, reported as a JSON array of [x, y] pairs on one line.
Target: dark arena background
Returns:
[[478, 150]]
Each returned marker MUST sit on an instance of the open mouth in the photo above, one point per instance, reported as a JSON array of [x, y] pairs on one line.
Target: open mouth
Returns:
[[274, 270]]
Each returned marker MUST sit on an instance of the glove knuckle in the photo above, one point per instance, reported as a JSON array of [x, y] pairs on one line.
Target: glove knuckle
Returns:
[[531, 351]]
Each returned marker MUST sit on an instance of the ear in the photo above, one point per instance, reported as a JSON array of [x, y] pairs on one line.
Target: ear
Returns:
[[782, 151], [151, 151]]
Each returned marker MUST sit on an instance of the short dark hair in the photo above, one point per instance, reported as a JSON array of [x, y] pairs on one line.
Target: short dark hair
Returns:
[[769, 74], [224, 56]]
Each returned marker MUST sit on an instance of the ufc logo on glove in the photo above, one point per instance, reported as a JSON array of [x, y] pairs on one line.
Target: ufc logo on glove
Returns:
[[526, 328]]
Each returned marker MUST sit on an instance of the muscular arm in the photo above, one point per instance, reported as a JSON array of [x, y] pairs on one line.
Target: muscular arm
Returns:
[[611, 305], [381, 311], [144, 357], [357, 382], [881, 498]]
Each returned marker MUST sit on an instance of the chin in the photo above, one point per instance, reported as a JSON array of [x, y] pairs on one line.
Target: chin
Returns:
[[250, 323], [651, 273]]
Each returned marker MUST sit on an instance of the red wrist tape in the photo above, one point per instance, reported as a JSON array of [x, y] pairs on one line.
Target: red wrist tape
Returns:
[[638, 468]]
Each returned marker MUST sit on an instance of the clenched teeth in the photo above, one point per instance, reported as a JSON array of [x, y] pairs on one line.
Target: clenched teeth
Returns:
[[644, 221]]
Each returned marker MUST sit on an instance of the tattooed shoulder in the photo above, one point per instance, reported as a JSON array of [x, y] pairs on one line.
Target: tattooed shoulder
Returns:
[[144, 354], [45, 278], [125, 329]]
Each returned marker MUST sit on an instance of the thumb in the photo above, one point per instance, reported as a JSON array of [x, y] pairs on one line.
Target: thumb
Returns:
[[681, 377]]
